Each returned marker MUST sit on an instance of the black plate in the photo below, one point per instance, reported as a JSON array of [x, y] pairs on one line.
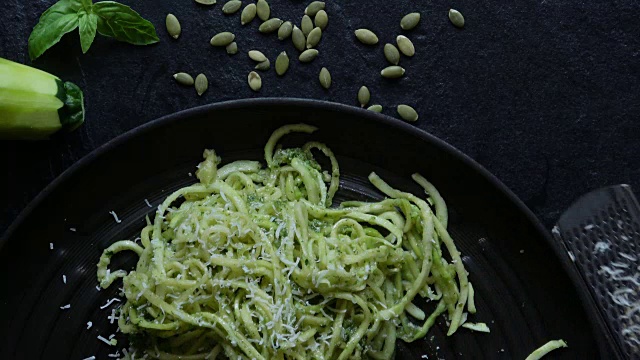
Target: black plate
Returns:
[[524, 292]]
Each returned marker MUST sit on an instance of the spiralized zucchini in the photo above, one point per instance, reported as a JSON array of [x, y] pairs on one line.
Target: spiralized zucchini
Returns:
[[253, 263]]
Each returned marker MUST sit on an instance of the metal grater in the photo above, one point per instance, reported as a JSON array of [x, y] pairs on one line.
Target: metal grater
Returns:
[[601, 233]]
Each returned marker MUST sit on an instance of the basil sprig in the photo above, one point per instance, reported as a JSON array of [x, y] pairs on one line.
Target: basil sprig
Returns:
[[108, 18]]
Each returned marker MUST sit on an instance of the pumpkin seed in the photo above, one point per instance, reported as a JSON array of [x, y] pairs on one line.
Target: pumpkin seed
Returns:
[[222, 39], [364, 96], [202, 84], [405, 45], [313, 8], [264, 66], [173, 26], [314, 38], [206, 2], [325, 78], [232, 48], [308, 55], [256, 55], [183, 78], [231, 7], [366, 36], [263, 10], [410, 21], [375, 108], [285, 30], [392, 72], [456, 18], [248, 14], [306, 25], [407, 113], [392, 54], [282, 63], [254, 80], [270, 25], [297, 36], [321, 19]]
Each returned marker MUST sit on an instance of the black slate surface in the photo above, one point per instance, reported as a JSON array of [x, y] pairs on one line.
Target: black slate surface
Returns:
[[542, 93]]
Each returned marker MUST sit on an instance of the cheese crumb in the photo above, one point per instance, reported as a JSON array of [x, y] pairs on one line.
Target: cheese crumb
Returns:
[[89, 325], [64, 307], [115, 216]]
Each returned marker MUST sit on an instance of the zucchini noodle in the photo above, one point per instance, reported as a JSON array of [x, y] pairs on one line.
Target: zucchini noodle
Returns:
[[252, 262]]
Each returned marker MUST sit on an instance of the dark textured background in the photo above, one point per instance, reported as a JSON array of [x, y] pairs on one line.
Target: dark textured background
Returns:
[[545, 93]]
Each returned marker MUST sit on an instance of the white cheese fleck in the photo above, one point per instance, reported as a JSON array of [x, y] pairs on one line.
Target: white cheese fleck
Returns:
[[115, 216]]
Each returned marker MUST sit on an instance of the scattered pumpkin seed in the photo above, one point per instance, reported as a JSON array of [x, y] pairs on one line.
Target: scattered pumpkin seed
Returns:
[[270, 25], [206, 2], [282, 63], [407, 113], [222, 39], [314, 37], [231, 7], [366, 36], [392, 54], [263, 10], [232, 48], [321, 19], [306, 25], [410, 21], [254, 80], [392, 72], [405, 45], [183, 78], [298, 38], [308, 55], [313, 8], [173, 26], [285, 30], [375, 108], [248, 14], [264, 65], [202, 84], [456, 18], [364, 96], [257, 56], [325, 78]]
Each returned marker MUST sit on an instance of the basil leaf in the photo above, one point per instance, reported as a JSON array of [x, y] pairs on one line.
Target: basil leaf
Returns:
[[88, 23], [123, 23], [87, 4], [58, 20]]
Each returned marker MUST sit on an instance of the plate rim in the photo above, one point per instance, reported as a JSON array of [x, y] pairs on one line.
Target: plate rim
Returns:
[[400, 125]]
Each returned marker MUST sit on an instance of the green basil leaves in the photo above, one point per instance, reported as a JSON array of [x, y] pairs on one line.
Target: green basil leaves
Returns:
[[108, 18]]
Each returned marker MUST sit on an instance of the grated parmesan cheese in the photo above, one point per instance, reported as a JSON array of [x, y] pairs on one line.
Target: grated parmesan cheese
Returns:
[[89, 325], [50, 246], [64, 279], [111, 301], [147, 202], [64, 307], [115, 216], [110, 342]]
